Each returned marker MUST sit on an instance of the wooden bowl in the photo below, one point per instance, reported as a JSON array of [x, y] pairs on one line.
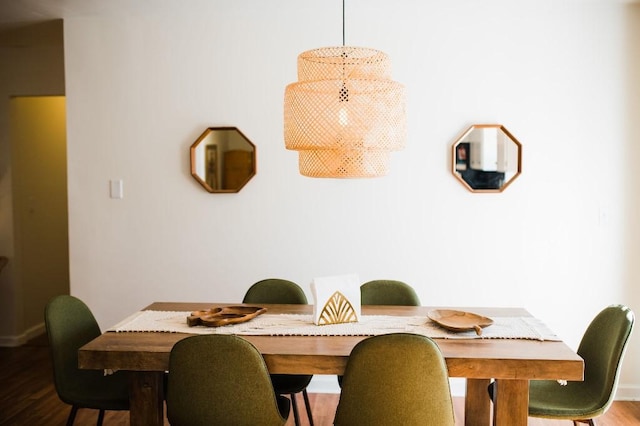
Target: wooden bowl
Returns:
[[217, 317], [459, 320]]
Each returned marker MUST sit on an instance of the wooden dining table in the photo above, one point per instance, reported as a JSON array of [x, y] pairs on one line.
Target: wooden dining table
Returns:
[[512, 363]]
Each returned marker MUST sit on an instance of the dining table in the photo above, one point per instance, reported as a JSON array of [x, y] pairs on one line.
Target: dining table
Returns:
[[509, 360]]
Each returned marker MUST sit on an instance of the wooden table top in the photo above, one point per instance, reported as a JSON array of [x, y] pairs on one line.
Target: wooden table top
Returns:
[[470, 358]]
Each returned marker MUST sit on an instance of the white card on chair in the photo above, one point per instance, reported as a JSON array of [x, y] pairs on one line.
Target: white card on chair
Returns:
[[336, 299]]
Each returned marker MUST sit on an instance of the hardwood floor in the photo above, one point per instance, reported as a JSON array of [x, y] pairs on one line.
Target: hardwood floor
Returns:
[[27, 397]]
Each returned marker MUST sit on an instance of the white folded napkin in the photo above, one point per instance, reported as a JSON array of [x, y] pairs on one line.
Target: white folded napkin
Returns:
[[336, 299]]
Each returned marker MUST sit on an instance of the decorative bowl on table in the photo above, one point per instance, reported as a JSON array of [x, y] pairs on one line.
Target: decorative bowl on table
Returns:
[[453, 320], [218, 317]]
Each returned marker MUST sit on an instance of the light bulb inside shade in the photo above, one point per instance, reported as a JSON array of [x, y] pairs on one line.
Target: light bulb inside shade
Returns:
[[343, 117]]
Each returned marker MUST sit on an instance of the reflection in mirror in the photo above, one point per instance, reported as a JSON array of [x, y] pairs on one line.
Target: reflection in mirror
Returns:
[[223, 159], [487, 158]]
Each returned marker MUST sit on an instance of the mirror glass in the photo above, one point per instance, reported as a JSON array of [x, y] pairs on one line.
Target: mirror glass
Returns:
[[223, 159], [486, 158]]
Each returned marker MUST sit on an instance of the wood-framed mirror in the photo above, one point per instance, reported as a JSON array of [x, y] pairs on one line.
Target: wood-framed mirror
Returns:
[[223, 159], [486, 158]]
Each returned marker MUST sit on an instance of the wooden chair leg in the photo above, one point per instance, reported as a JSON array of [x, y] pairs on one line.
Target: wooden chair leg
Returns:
[[72, 415], [100, 418], [294, 405], [308, 406]]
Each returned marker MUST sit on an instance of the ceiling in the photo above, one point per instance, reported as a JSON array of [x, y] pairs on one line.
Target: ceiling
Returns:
[[15, 13]]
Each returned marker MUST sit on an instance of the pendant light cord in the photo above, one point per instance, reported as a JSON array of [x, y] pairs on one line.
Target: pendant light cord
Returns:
[[343, 95], [343, 38]]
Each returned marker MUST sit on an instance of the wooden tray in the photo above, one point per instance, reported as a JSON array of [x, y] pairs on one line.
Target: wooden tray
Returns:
[[459, 320], [217, 317]]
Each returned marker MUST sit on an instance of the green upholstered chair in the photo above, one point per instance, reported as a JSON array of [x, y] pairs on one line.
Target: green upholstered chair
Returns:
[[277, 290], [602, 347], [70, 325], [388, 292], [395, 379], [221, 380]]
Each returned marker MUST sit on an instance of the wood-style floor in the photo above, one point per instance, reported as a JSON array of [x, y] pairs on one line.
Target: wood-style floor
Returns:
[[27, 397]]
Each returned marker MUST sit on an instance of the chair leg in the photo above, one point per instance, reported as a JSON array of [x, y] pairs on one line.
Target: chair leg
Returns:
[[72, 415], [307, 405], [100, 418], [294, 405], [590, 422]]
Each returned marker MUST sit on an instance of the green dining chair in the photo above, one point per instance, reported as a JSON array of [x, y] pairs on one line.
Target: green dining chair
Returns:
[[388, 292], [277, 290], [602, 348], [395, 379], [221, 380], [70, 325]]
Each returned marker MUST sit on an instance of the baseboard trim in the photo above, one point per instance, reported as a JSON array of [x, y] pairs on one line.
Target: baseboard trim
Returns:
[[21, 339], [329, 384], [628, 393]]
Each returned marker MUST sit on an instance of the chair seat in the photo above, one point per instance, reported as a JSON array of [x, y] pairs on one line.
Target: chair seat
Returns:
[[602, 348], [221, 380], [277, 290], [92, 389], [395, 379], [70, 324], [288, 384], [284, 406], [575, 401], [388, 292]]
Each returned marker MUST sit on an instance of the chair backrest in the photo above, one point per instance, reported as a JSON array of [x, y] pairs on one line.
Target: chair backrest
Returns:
[[275, 290], [602, 347], [395, 379], [388, 292], [219, 380], [70, 325]]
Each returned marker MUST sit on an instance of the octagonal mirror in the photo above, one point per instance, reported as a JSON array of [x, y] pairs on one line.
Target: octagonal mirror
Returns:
[[486, 158], [223, 159]]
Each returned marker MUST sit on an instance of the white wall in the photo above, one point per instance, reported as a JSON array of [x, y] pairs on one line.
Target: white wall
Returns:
[[561, 241]]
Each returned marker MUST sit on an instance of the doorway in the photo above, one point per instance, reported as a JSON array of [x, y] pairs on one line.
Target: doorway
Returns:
[[40, 214]]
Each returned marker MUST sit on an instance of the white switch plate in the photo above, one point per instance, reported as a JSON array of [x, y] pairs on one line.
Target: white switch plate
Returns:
[[116, 189]]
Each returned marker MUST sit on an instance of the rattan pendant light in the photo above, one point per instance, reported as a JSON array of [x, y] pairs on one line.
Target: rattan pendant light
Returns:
[[344, 115]]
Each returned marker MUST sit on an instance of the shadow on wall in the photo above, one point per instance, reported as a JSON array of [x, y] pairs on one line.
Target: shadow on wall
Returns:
[[630, 223]]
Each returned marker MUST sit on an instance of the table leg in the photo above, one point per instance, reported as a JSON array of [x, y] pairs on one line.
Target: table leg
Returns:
[[511, 403], [477, 405], [146, 398]]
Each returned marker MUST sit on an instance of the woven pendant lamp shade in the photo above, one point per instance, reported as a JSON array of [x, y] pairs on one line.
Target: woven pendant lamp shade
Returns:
[[344, 114]]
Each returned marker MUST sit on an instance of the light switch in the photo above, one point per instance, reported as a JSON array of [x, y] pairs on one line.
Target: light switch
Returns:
[[116, 189]]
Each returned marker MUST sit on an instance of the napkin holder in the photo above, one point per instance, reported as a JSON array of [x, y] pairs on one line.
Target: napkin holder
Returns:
[[336, 299]]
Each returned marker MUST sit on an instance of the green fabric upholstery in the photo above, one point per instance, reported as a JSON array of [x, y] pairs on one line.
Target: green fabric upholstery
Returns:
[[277, 290], [388, 292], [602, 348], [221, 380], [395, 379], [70, 325]]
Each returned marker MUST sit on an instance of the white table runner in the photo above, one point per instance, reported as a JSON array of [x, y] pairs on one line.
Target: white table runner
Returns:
[[302, 325]]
